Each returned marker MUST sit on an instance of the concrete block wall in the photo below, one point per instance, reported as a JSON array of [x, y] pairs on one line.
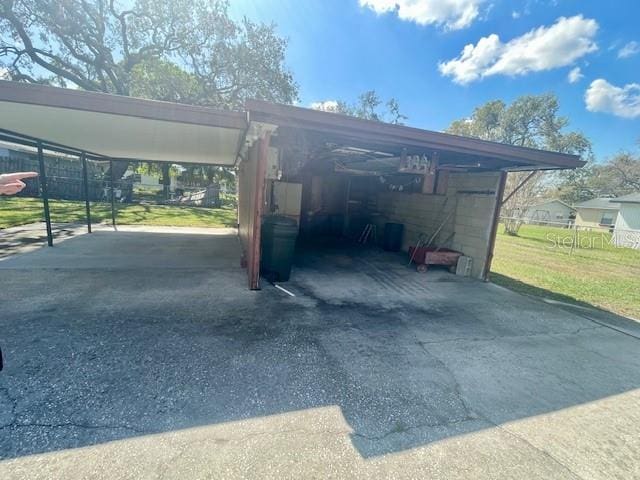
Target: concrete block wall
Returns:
[[468, 229], [419, 213], [474, 216]]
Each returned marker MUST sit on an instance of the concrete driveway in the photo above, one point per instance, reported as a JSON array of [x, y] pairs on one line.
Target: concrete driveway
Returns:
[[142, 355]]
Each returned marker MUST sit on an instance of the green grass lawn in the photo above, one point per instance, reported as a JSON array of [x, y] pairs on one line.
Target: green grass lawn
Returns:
[[19, 211], [598, 274]]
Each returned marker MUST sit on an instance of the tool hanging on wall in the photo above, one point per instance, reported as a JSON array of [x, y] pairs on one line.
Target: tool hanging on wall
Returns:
[[435, 234], [421, 238], [368, 232]]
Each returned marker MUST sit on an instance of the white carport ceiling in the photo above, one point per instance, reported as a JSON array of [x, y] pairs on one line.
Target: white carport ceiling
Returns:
[[122, 127]]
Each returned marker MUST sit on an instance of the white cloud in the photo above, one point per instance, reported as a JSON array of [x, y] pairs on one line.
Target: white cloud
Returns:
[[516, 14], [624, 102], [629, 50], [4, 73], [474, 61], [543, 48], [575, 75], [325, 106], [452, 14]]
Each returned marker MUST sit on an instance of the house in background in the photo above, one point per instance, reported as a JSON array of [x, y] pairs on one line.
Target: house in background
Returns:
[[597, 212], [626, 232], [150, 181], [554, 212]]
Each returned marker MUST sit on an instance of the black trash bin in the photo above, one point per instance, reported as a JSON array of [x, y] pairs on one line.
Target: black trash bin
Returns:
[[392, 240], [279, 236]]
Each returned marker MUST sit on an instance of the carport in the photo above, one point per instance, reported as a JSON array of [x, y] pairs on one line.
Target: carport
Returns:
[[109, 128], [335, 175]]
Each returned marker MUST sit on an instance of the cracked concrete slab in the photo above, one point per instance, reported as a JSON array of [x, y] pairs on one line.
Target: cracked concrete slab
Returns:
[[142, 355]]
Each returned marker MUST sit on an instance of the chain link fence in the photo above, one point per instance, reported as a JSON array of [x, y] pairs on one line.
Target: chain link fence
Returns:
[[138, 193], [572, 235]]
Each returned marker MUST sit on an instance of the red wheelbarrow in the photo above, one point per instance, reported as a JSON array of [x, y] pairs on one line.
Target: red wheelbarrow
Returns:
[[425, 256]]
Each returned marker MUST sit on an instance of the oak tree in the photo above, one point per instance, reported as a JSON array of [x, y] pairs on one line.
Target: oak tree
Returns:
[[182, 50], [529, 121]]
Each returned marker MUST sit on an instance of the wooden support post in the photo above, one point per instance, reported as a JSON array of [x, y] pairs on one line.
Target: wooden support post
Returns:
[[45, 195], [258, 207], [442, 182], [430, 179], [494, 225]]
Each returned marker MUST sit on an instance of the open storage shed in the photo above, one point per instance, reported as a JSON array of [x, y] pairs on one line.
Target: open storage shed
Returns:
[[337, 174], [332, 173]]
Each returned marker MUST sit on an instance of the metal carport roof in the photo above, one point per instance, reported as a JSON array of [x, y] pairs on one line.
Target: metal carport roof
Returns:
[[454, 149], [122, 127]]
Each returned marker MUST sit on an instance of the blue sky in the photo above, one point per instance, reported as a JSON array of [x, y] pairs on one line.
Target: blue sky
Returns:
[[340, 48]]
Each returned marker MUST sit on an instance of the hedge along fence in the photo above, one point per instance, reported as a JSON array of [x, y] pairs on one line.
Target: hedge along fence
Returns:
[[64, 177]]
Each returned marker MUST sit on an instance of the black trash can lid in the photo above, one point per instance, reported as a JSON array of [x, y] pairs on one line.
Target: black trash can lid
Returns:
[[280, 220]]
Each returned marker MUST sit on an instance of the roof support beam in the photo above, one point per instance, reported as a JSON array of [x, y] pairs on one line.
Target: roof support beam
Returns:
[[519, 186]]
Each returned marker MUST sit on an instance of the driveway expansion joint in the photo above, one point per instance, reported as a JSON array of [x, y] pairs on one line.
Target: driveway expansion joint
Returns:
[[537, 449]]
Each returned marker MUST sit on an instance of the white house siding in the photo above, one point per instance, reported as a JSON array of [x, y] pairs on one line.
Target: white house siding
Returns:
[[627, 229], [553, 212]]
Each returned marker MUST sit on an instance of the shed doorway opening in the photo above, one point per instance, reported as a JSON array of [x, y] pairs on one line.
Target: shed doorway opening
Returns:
[[364, 199]]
